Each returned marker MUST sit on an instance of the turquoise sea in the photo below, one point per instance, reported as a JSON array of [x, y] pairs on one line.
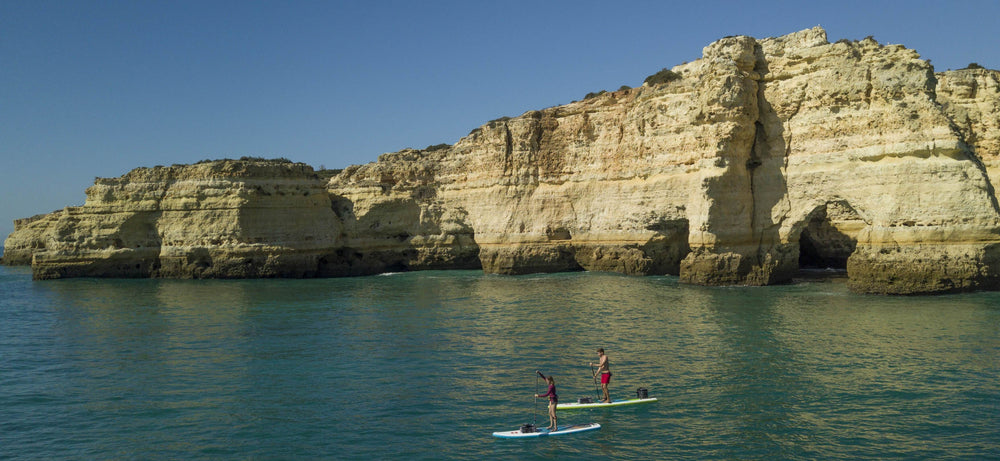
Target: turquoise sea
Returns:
[[427, 365]]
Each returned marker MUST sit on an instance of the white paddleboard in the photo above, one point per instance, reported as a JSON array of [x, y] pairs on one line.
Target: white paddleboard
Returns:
[[614, 403], [541, 432]]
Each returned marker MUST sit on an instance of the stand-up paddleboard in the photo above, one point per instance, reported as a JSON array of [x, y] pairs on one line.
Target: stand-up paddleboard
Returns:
[[560, 430], [614, 403]]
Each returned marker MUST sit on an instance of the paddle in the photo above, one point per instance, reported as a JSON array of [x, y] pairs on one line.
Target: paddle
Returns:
[[534, 409], [593, 373]]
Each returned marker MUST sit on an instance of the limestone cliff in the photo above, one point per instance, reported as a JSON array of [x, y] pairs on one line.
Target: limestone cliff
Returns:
[[215, 219], [740, 167], [971, 98], [764, 154]]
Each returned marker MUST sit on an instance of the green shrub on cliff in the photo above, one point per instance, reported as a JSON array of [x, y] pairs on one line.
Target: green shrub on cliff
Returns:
[[244, 158], [435, 147], [262, 159], [663, 76]]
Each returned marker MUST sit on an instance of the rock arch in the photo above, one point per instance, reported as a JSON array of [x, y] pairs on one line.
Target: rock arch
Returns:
[[828, 235]]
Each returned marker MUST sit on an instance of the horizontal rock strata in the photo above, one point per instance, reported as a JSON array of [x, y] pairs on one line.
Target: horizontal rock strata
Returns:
[[227, 219], [738, 168]]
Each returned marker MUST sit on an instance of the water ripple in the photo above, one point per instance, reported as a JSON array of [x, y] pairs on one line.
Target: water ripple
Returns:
[[427, 365]]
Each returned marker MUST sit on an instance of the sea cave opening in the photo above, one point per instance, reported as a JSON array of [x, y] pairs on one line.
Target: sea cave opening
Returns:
[[825, 241]]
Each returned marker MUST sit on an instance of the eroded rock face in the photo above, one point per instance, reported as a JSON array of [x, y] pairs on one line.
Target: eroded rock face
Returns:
[[225, 219], [720, 175], [971, 98], [864, 131], [761, 157]]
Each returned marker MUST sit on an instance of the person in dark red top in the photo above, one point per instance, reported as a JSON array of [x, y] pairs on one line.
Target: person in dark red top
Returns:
[[553, 399]]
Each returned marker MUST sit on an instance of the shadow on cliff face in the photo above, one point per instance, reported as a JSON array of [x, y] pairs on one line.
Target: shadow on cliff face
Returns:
[[385, 231], [668, 248], [763, 164], [823, 237], [398, 235]]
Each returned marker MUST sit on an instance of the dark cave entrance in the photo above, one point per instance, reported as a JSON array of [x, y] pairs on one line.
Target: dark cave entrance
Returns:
[[823, 245]]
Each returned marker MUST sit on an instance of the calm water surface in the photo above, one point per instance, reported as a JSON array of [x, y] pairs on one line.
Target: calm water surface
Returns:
[[427, 365]]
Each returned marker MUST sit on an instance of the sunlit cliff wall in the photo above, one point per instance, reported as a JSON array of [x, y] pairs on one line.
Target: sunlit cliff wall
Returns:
[[758, 158]]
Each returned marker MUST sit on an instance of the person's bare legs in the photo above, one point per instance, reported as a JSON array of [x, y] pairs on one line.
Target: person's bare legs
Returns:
[[552, 416]]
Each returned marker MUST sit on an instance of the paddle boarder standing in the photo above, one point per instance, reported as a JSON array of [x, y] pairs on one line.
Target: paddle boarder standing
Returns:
[[604, 369], [553, 399]]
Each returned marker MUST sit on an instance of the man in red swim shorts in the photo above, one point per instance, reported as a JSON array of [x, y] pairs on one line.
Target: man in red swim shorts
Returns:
[[604, 368]]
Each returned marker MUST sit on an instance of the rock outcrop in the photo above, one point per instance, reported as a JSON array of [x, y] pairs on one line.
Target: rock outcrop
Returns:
[[738, 168], [224, 219], [971, 98]]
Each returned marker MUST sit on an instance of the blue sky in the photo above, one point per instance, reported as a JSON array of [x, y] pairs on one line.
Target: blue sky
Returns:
[[95, 88]]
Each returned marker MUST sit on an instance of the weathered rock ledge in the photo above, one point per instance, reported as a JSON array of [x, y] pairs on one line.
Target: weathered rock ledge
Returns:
[[227, 219], [761, 157]]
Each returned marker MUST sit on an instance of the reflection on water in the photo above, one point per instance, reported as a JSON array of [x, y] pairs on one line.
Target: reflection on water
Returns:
[[426, 365]]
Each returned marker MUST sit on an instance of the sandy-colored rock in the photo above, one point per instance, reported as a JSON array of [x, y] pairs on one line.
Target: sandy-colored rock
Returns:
[[759, 158], [214, 219], [722, 176], [971, 98]]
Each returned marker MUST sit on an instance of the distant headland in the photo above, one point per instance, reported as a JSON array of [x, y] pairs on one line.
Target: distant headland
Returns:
[[764, 156]]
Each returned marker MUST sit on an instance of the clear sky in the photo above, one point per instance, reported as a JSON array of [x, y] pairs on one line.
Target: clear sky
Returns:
[[96, 88]]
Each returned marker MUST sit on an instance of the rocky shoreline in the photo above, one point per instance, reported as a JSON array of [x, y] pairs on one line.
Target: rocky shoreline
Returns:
[[761, 157]]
